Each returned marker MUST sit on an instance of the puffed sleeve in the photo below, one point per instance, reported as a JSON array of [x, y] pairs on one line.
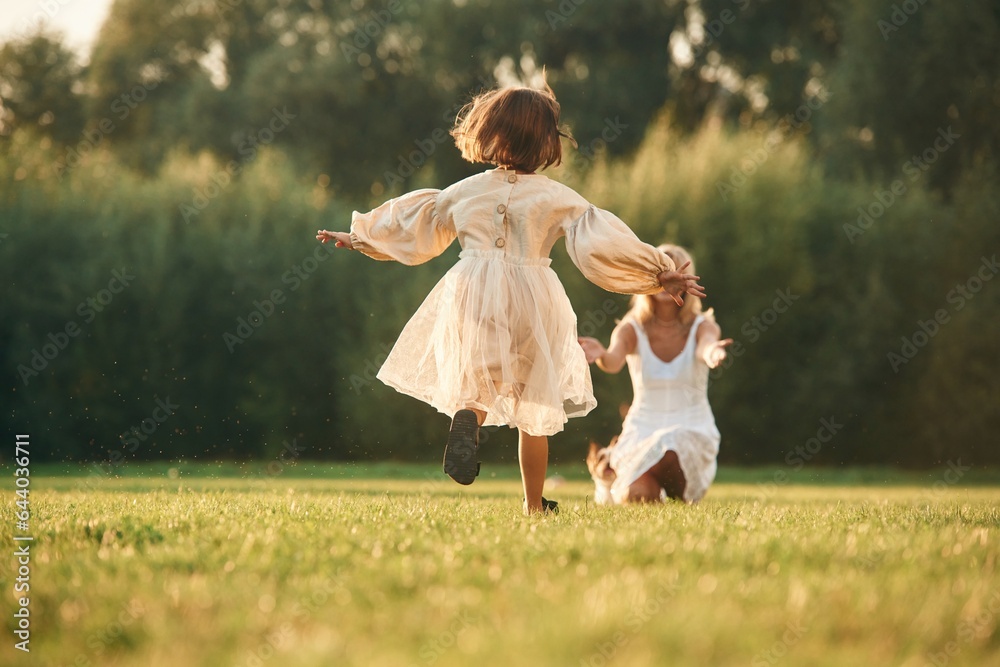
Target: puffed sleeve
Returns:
[[610, 255], [406, 229]]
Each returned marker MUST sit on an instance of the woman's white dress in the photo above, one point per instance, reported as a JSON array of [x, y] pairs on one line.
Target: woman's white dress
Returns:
[[497, 332], [670, 412]]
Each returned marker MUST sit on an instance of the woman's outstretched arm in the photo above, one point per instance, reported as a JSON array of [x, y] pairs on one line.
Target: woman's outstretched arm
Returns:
[[612, 358], [710, 349]]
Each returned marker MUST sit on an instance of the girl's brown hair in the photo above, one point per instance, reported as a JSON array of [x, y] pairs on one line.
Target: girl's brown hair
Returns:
[[511, 127]]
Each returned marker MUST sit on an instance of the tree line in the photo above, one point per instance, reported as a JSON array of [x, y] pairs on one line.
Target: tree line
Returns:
[[835, 178]]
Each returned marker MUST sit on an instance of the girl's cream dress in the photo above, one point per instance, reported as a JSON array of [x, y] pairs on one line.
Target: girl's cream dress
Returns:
[[497, 333]]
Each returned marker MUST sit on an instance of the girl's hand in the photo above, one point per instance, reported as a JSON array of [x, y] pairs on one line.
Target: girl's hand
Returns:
[[592, 348], [675, 283], [343, 239], [715, 353]]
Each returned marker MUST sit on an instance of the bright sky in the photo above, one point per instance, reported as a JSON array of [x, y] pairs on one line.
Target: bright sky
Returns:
[[78, 20]]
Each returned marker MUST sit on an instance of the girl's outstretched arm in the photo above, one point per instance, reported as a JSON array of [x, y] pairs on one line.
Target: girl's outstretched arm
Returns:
[[710, 349], [408, 229], [610, 255], [343, 239], [611, 359]]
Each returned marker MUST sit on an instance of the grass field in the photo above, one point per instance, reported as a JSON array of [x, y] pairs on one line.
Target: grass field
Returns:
[[397, 566]]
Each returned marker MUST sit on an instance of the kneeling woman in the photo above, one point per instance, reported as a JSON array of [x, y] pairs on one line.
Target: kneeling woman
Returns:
[[669, 441]]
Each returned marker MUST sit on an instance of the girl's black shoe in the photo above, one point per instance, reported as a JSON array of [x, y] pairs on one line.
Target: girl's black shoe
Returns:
[[550, 506], [463, 444]]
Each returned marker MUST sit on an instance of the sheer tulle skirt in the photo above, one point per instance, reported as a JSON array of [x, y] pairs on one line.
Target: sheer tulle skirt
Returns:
[[497, 333]]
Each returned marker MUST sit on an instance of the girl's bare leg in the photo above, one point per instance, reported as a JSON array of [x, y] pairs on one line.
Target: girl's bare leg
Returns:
[[533, 455]]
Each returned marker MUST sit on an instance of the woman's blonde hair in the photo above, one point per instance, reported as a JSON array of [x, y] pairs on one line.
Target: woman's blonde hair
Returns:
[[511, 127], [642, 304]]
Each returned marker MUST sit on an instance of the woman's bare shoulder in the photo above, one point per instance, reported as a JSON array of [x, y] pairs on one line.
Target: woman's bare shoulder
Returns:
[[625, 331]]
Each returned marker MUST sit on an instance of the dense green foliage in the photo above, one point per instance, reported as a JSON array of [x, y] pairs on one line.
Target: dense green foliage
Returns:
[[379, 572], [836, 179]]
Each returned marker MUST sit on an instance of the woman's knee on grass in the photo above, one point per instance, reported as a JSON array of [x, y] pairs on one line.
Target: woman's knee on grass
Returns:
[[644, 490], [670, 476]]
